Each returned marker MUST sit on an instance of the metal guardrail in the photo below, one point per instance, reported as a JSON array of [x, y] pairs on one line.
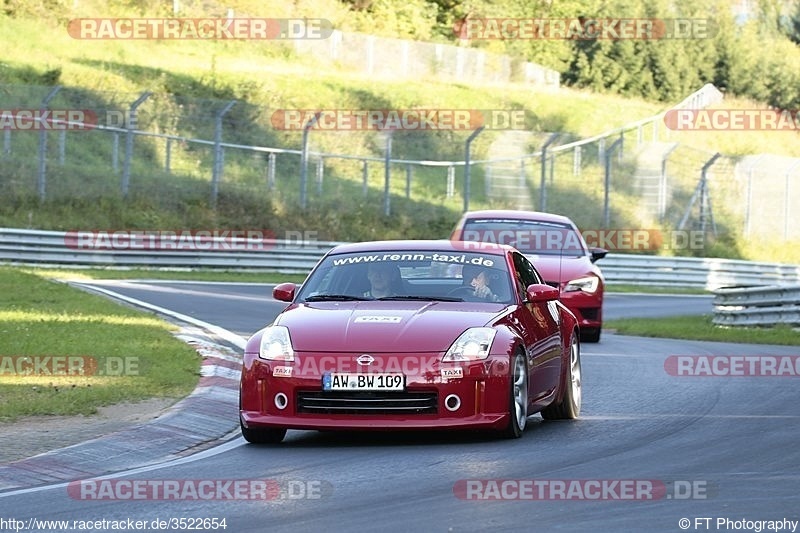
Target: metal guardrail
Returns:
[[757, 306], [55, 248]]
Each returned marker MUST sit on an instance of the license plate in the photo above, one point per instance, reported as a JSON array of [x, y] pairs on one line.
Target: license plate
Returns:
[[369, 382]]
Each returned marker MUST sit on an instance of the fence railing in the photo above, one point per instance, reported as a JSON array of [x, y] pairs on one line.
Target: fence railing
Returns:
[[757, 306], [631, 176], [54, 248]]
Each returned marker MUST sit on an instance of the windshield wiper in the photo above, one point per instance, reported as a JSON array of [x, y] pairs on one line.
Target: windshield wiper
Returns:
[[423, 298], [337, 297]]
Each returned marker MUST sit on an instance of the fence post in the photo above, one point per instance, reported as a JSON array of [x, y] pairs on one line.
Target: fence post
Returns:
[[304, 159], [42, 178], [786, 197], [364, 178], [701, 192], [387, 172], [216, 171], [576, 161], [468, 165], [62, 147], [271, 171], [115, 152], [408, 180], [168, 157], [662, 184], [607, 181], [451, 181], [7, 142], [543, 181], [131, 126], [320, 173]]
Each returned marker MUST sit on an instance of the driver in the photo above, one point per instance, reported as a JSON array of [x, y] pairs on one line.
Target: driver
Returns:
[[478, 278], [384, 280]]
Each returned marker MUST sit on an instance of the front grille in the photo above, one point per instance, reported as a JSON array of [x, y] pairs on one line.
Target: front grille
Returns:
[[367, 403], [589, 313]]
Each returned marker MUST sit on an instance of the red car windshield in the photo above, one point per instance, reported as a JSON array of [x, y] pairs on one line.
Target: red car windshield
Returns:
[[410, 275], [527, 236]]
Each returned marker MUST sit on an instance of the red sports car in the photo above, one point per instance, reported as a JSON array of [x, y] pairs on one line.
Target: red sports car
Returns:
[[555, 245], [413, 335]]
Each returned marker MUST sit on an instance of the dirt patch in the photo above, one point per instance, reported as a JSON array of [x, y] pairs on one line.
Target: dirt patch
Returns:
[[33, 435]]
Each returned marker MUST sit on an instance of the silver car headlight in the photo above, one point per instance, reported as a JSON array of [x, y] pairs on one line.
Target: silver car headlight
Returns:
[[588, 284], [276, 344], [472, 345]]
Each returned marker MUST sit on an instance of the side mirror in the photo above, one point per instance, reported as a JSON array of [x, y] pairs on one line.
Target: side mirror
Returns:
[[597, 253], [538, 292], [284, 292]]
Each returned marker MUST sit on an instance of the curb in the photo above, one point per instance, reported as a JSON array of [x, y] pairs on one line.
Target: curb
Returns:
[[205, 418]]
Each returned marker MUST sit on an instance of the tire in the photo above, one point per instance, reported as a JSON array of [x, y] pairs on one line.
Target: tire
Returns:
[[263, 435], [517, 398], [590, 335], [570, 405]]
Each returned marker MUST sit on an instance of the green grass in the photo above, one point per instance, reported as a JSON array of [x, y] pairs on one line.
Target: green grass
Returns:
[[191, 79], [40, 318], [619, 287], [701, 328]]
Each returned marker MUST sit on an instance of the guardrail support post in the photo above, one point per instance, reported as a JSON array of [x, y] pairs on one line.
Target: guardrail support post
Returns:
[[41, 182], [468, 165], [543, 181], [131, 127], [216, 173]]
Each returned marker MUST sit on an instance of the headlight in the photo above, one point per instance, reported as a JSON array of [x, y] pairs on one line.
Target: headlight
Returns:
[[588, 284], [276, 344], [472, 345]]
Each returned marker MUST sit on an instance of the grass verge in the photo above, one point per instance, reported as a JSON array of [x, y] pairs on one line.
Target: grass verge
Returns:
[[700, 328], [180, 275], [122, 355], [621, 287]]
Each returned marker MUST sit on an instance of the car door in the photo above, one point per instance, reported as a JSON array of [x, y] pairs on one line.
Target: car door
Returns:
[[539, 324]]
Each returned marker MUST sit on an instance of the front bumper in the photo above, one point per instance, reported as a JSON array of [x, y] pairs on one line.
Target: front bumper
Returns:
[[432, 398]]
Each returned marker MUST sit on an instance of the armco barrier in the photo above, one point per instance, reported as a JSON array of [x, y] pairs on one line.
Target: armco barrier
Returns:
[[49, 248], [757, 306]]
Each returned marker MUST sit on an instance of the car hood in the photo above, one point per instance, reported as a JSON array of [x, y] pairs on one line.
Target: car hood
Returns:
[[376, 327], [566, 268]]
